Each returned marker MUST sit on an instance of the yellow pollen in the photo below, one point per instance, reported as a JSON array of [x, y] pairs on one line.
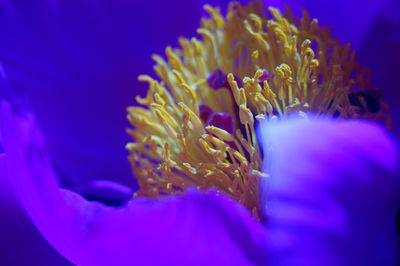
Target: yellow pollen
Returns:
[[269, 65]]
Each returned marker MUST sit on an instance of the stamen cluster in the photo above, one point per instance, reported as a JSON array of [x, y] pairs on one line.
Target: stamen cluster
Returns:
[[196, 126]]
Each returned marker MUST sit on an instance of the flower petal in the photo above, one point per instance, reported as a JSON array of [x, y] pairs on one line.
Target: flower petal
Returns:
[[332, 195], [21, 243], [345, 18], [78, 62], [105, 191], [379, 51], [199, 227]]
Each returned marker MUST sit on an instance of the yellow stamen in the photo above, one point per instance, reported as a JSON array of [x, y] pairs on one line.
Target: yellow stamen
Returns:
[[272, 67]]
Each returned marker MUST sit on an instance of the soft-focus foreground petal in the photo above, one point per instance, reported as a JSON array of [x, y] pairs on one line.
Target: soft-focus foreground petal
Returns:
[[332, 194], [201, 228], [21, 243]]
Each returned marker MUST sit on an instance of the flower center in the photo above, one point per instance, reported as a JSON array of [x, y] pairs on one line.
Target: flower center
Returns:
[[196, 126]]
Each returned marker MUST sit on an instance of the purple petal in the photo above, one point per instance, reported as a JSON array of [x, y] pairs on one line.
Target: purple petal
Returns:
[[332, 195], [379, 50], [21, 243], [199, 227], [265, 76], [221, 120], [205, 112], [78, 62], [107, 192], [341, 16], [218, 79]]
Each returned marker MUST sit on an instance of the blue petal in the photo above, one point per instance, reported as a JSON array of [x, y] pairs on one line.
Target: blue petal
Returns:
[[198, 227], [21, 243], [78, 62], [105, 191], [349, 20], [333, 193], [379, 50]]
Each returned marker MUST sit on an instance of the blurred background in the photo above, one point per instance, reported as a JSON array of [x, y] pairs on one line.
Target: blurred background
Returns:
[[76, 62]]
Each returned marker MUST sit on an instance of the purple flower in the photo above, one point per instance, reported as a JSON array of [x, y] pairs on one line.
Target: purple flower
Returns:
[[199, 227], [313, 216], [80, 68], [335, 205]]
